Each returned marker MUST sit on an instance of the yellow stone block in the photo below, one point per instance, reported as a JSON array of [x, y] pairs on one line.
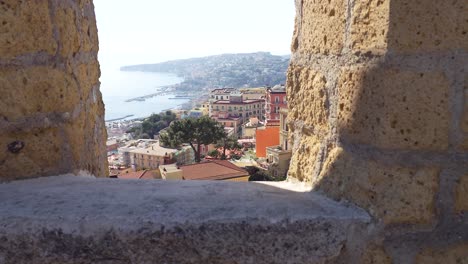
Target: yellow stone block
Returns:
[[427, 26], [461, 192], [42, 153], [394, 109], [322, 26], [394, 194], [25, 27], [457, 254], [307, 96], [369, 26], [69, 37], [36, 90], [375, 255]]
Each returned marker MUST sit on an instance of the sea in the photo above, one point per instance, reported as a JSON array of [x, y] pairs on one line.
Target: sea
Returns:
[[118, 86]]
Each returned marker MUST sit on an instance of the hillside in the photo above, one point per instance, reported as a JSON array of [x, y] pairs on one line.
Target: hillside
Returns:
[[227, 70]]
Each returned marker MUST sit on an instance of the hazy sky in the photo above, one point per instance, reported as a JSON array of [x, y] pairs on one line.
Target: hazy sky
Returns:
[[147, 31]]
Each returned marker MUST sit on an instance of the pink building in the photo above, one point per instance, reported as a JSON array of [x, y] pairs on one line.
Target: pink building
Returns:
[[275, 100]]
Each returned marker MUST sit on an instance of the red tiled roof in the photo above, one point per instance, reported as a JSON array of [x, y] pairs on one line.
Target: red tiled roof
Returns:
[[247, 101], [212, 170], [137, 175]]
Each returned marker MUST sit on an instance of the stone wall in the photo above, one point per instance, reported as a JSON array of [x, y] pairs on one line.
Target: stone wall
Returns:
[[385, 120], [51, 110]]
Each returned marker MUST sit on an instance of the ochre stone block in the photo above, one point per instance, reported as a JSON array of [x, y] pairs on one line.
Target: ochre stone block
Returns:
[[322, 26], [88, 77], [69, 37], [38, 152], [457, 254], [83, 134], [375, 255], [427, 26], [89, 36], [394, 194], [303, 159], [464, 122], [36, 90], [18, 36], [394, 109], [307, 96], [369, 26], [461, 191]]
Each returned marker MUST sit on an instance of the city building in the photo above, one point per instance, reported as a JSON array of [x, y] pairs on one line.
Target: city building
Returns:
[[266, 137], [170, 172], [253, 93], [275, 100], [148, 154], [249, 129], [112, 145], [228, 121], [278, 157], [237, 107]]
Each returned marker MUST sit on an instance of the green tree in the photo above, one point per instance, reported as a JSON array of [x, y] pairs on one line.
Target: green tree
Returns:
[[195, 132], [214, 153], [153, 124], [228, 142], [257, 174]]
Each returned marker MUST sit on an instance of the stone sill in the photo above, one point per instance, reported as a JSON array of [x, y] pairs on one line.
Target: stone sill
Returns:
[[68, 218]]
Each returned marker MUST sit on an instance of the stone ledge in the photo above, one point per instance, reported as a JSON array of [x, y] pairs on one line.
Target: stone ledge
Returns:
[[70, 219]]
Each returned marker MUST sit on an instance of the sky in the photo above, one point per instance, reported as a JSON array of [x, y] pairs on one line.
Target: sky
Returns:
[[151, 31]]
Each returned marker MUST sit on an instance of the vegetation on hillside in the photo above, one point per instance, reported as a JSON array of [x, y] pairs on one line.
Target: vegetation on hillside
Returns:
[[227, 70]]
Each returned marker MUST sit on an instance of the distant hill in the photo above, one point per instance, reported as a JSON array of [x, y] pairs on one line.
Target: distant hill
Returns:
[[226, 70]]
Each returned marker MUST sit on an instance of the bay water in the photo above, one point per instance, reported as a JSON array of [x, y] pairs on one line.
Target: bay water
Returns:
[[118, 86]]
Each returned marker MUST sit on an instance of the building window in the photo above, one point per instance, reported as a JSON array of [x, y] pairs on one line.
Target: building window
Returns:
[[277, 99], [222, 97], [216, 97], [222, 107]]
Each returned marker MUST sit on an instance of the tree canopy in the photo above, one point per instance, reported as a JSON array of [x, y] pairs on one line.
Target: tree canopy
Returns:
[[153, 124], [228, 142], [194, 131]]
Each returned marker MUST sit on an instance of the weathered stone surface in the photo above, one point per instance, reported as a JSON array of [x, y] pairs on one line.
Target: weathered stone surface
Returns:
[[18, 36], [394, 194], [66, 25], [394, 109], [369, 26], [84, 220], [375, 255], [88, 77], [88, 125], [457, 254], [305, 152], [464, 122], [307, 97], [322, 25], [42, 154], [49, 81], [461, 190], [37, 89], [427, 26]]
